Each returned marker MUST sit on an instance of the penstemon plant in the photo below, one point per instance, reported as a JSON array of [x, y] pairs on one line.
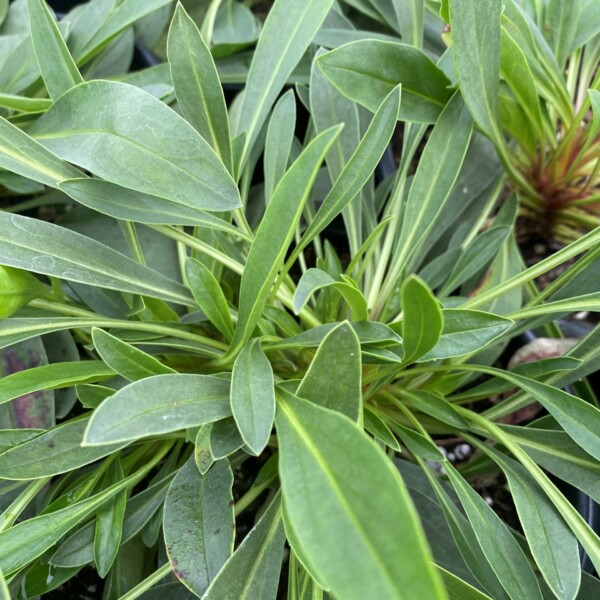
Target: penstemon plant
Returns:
[[203, 396]]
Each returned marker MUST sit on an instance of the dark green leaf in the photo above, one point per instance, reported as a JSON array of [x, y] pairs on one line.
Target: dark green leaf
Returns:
[[333, 379], [157, 153], [159, 404], [253, 396], [422, 321], [331, 512], [367, 71], [198, 523]]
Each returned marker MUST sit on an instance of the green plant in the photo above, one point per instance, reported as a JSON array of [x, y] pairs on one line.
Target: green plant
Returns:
[[545, 95], [195, 356]]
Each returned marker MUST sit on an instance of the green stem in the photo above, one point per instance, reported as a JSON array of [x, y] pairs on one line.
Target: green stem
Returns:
[[89, 319], [14, 510], [147, 583], [585, 243]]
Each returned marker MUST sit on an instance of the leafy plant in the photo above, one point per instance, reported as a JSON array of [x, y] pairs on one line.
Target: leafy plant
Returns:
[[194, 375], [541, 87]]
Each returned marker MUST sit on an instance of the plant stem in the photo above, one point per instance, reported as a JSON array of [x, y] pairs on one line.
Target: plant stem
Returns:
[[586, 242], [20, 503], [147, 583], [89, 319]]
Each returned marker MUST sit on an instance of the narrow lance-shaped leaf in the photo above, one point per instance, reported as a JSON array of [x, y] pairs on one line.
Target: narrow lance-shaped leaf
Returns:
[[422, 321], [125, 359], [198, 523], [552, 543], [333, 379], [466, 331], [197, 85], [57, 66], [29, 539], [313, 280], [62, 451], [253, 396], [119, 16], [330, 513], [209, 296], [288, 31], [253, 569], [476, 47], [357, 172], [159, 404], [128, 205], [54, 376], [109, 522], [45, 248], [436, 174], [498, 544], [563, 18], [580, 419], [157, 153], [275, 233], [22, 155], [278, 144], [368, 70]]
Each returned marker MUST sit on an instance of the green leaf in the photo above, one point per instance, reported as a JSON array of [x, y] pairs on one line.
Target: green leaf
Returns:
[[477, 256], [422, 321], [516, 72], [434, 180], [476, 46], [275, 233], [198, 523], [61, 449], [368, 332], [157, 153], [253, 396], [78, 548], [497, 543], [313, 280], [50, 377], [29, 539], [367, 71], [102, 22], [562, 21], [465, 539], [458, 589], [125, 359], [109, 522], [57, 66], [332, 511], [17, 288], [466, 331], [561, 456], [129, 205], [252, 571], [224, 438], [287, 33], [24, 104], [379, 430], [436, 406], [278, 143], [334, 378], [197, 84], [580, 419], [22, 155], [209, 296], [156, 405], [552, 543], [41, 247]]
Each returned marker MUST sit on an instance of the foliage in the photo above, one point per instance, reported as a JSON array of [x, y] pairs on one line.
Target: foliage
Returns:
[[193, 374]]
